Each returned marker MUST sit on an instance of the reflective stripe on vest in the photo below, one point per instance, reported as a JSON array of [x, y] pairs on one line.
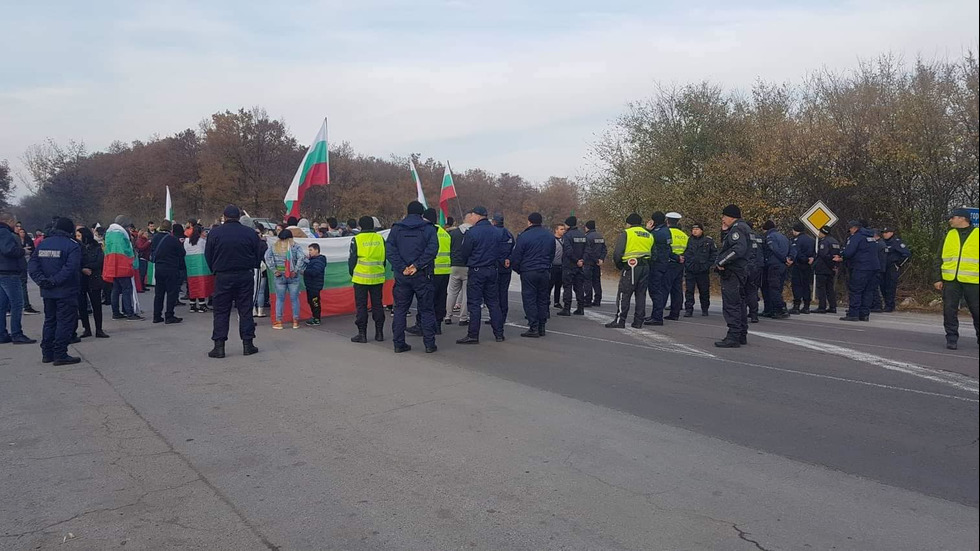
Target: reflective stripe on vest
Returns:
[[961, 261], [370, 268], [639, 243], [678, 242], [443, 264]]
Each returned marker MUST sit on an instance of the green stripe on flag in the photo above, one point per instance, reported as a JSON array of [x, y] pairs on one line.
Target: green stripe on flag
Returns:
[[196, 265]]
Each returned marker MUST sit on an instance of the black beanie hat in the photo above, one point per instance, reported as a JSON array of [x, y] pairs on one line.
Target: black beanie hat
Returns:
[[365, 223], [732, 211], [66, 225], [634, 219], [590, 225], [431, 215], [658, 217], [799, 227], [769, 225], [571, 221], [416, 208]]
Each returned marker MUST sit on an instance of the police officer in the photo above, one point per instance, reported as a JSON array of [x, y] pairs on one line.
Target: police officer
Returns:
[[731, 266], [531, 258], [958, 274], [573, 260], [232, 253], [802, 251], [595, 255], [754, 274], [699, 257], [777, 247], [366, 265], [442, 268], [675, 268], [896, 255], [503, 266], [632, 258], [480, 251], [411, 248], [826, 268], [56, 268], [880, 274], [660, 257], [860, 254]]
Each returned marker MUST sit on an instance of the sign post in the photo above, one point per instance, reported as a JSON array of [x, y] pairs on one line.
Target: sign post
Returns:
[[816, 217]]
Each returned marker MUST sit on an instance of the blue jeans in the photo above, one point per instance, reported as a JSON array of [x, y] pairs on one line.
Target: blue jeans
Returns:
[[11, 298], [122, 289], [282, 286]]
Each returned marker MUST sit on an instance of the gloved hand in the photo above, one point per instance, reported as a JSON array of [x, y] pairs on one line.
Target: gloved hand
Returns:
[[45, 284]]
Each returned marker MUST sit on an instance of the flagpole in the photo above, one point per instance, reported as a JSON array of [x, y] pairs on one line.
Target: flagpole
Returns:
[[458, 204]]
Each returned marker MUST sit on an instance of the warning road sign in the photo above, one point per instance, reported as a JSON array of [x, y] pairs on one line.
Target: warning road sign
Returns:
[[818, 216]]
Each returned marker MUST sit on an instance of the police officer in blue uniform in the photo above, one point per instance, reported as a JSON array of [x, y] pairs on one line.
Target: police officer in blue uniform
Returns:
[[411, 250], [56, 268], [660, 258], [731, 267], [503, 265], [897, 254], [826, 269], [777, 253], [595, 255], [860, 254], [232, 252], [880, 274], [802, 251], [481, 251], [531, 258], [754, 271], [572, 273]]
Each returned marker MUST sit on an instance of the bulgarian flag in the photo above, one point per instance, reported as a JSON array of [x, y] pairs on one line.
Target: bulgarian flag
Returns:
[[418, 183], [120, 258], [200, 279], [170, 207], [448, 192], [313, 171]]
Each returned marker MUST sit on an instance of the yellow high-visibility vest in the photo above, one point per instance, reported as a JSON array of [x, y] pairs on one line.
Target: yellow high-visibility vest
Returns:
[[639, 243], [370, 267], [443, 264], [678, 241], [961, 261]]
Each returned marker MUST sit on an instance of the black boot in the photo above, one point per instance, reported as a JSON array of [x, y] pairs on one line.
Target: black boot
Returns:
[[806, 308], [754, 318], [379, 332], [541, 331], [728, 342], [566, 311], [705, 313], [579, 310], [361, 336], [688, 313], [637, 324], [616, 324], [795, 310], [414, 330], [248, 348], [743, 339], [218, 351], [532, 332], [951, 344]]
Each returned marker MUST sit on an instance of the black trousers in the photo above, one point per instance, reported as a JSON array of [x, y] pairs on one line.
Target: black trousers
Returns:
[[953, 292], [84, 298], [361, 295], [703, 283], [60, 321], [826, 292], [418, 287], [889, 286], [802, 283], [753, 282], [236, 288], [167, 287], [633, 283], [733, 303], [481, 288], [503, 293], [535, 292], [572, 281], [556, 281], [674, 287], [861, 288], [775, 281], [658, 290], [440, 284], [313, 299], [593, 284]]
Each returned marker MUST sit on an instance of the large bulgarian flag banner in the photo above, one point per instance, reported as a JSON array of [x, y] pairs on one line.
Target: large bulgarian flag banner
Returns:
[[313, 171], [447, 192], [337, 296], [200, 280], [120, 258]]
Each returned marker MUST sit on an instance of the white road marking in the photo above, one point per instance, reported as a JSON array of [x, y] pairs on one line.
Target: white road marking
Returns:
[[954, 380], [653, 339]]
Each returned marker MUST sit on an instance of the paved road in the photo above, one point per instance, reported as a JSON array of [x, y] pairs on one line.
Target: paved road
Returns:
[[819, 434]]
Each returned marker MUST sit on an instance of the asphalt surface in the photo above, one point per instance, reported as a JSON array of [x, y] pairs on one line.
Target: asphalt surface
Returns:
[[819, 434]]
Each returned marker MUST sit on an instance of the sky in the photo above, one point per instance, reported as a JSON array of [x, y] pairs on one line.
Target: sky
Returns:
[[509, 86]]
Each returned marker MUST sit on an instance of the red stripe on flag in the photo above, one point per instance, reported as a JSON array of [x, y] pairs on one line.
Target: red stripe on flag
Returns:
[[333, 302], [200, 286], [318, 175]]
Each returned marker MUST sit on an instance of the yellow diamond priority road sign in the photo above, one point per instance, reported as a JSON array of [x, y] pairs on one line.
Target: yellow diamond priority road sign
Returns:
[[818, 216]]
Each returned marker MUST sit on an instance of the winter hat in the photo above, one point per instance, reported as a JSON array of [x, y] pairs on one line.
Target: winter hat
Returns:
[[732, 211], [123, 220], [416, 208], [571, 221], [590, 225], [799, 227], [634, 219], [431, 215], [66, 225], [697, 225], [854, 224], [769, 225], [825, 230]]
